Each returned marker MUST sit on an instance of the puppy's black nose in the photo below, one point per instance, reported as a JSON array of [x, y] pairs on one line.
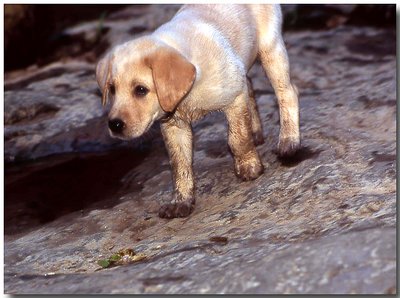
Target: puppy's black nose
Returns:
[[116, 125]]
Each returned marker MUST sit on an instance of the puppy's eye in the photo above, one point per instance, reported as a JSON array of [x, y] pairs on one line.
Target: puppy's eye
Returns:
[[112, 89], [140, 91]]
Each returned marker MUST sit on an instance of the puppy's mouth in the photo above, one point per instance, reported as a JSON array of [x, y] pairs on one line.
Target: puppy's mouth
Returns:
[[120, 136], [130, 133]]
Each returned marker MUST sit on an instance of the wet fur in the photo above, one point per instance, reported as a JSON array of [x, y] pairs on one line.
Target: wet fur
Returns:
[[198, 63]]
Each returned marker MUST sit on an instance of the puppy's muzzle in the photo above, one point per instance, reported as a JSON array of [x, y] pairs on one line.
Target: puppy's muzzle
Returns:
[[116, 125]]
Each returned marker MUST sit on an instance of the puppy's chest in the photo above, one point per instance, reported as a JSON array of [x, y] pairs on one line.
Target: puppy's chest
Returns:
[[195, 107]]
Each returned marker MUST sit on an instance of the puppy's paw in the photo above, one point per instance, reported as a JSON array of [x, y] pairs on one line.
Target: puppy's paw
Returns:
[[258, 138], [249, 169], [177, 209], [287, 147]]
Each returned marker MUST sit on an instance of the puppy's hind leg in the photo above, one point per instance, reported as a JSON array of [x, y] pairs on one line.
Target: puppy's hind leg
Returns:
[[275, 62], [247, 162], [256, 125]]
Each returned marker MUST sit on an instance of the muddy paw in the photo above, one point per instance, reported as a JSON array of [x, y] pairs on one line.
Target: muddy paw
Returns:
[[288, 146], [258, 138], [249, 169], [177, 209]]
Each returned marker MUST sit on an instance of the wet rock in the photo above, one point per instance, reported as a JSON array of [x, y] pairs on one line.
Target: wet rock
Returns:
[[323, 222], [252, 266]]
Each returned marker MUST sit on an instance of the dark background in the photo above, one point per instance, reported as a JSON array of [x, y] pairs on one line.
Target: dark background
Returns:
[[34, 33]]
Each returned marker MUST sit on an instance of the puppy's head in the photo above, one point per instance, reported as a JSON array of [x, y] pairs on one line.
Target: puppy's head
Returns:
[[143, 80]]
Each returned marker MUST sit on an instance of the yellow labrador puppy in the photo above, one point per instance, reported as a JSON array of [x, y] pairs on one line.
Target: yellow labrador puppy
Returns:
[[192, 65]]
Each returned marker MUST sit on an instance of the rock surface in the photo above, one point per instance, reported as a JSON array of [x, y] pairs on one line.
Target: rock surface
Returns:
[[322, 222]]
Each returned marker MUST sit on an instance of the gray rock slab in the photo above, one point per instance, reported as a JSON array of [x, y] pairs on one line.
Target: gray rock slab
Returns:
[[356, 262]]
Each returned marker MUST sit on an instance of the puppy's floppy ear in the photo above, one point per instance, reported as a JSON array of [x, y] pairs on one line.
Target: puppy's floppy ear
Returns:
[[173, 76], [103, 70]]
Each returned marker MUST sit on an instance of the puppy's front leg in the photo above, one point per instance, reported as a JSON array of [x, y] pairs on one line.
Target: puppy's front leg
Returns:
[[247, 162], [178, 138]]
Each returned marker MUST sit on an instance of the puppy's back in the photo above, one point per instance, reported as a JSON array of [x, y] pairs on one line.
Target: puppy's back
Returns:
[[232, 26], [235, 22]]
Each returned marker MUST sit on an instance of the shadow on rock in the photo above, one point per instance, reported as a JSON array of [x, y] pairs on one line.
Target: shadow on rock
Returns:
[[302, 154], [40, 192]]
